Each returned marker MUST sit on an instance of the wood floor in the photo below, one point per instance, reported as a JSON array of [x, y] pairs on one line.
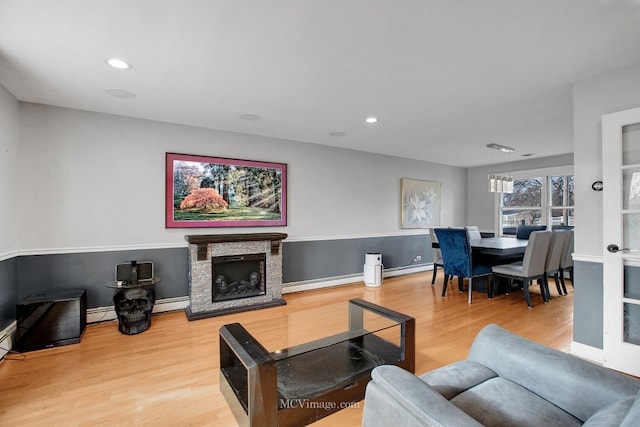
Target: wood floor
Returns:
[[168, 375]]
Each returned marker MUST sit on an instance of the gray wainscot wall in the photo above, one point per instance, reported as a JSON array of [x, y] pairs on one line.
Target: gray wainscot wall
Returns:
[[303, 262]]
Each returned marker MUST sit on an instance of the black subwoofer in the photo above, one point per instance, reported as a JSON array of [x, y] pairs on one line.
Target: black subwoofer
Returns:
[[52, 319]]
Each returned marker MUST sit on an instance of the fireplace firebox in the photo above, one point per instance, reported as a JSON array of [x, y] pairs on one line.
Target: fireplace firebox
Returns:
[[238, 276]]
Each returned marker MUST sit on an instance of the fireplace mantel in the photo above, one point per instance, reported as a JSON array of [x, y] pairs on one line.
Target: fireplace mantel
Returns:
[[202, 240]]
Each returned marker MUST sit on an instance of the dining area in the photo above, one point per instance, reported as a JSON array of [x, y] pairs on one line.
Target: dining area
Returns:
[[495, 265]]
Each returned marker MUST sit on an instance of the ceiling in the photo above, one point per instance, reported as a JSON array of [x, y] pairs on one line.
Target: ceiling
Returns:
[[445, 77]]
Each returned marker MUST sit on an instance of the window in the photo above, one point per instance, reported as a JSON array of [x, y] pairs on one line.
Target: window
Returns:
[[523, 206], [562, 200], [537, 199]]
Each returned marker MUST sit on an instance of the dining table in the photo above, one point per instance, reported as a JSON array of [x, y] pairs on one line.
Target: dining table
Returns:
[[495, 251], [499, 246]]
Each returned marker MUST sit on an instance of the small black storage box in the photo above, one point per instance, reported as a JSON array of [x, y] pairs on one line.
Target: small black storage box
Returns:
[[49, 320]]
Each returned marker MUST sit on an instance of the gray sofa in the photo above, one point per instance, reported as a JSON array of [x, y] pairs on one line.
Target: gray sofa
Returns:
[[506, 380]]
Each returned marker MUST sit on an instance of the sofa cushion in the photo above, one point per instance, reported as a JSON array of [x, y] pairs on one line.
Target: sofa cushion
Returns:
[[633, 416], [551, 374], [453, 379], [611, 415], [500, 402]]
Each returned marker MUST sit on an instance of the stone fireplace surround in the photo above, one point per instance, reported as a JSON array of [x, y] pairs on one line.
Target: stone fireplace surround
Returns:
[[203, 247]]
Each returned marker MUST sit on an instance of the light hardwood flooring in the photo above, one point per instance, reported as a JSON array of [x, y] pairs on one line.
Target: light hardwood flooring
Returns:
[[169, 374]]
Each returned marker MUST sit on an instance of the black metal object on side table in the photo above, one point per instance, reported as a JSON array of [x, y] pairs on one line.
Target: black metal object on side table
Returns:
[[134, 296]]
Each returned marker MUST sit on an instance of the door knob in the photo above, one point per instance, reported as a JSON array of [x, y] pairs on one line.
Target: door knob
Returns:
[[613, 248]]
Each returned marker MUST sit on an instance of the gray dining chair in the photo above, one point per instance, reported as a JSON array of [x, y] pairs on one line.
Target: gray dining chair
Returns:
[[532, 266], [523, 231], [554, 257], [566, 263], [473, 232]]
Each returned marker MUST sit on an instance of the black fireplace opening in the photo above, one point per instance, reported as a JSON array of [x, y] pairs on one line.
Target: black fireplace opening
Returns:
[[238, 276]]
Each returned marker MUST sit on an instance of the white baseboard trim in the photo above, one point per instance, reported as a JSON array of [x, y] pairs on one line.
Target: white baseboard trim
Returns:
[[401, 271], [583, 351], [95, 315], [7, 339], [104, 314], [309, 285]]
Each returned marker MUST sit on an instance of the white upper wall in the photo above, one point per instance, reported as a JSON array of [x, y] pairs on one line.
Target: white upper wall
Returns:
[[91, 180], [605, 93], [9, 172], [482, 204]]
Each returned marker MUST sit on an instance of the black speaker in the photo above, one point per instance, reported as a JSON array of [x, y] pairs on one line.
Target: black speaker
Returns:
[[49, 320], [134, 272]]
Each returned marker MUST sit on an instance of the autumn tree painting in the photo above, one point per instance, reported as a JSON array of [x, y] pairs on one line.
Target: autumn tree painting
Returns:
[[205, 200], [209, 191]]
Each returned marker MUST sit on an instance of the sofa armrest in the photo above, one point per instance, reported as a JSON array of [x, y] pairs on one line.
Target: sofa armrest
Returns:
[[633, 416], [397, 397]]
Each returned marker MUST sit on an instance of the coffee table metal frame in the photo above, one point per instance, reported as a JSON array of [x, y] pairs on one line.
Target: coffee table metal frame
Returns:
[[261, 387]]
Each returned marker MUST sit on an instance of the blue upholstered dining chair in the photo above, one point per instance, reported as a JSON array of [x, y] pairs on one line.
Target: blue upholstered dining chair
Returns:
[[457, 259], [523, 231], [437, 255], [532, 265]]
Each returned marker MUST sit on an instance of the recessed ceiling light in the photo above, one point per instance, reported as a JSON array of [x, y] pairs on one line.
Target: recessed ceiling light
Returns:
[[121, 93], [119, 64], [372, 120], [501, 148], [250, 117], [338, 134]]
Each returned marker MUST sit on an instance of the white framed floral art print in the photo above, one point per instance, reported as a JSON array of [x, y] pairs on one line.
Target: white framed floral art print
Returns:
[[420, 203]]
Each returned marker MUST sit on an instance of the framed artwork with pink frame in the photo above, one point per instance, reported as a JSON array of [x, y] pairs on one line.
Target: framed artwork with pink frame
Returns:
[[203, 191]]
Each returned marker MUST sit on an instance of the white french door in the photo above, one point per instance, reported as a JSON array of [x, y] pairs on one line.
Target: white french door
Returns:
[[621, 237]]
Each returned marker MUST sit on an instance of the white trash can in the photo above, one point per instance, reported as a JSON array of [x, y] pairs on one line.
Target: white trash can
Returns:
[[373, 269]]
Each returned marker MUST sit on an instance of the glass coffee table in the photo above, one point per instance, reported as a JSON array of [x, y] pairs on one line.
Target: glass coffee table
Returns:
[[297, 368]]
